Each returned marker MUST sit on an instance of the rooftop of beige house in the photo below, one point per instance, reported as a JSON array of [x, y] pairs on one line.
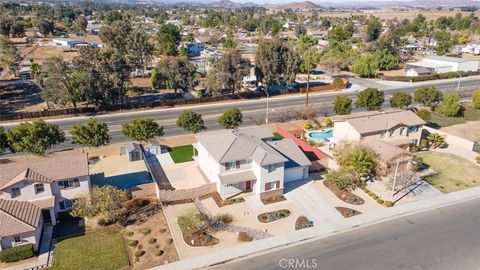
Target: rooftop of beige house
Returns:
[[48, 169], [385, 151], [384, 121], [18, 217]]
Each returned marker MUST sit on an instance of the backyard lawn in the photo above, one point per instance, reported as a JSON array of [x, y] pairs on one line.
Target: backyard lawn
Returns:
[[454, 172], [94, 250], [182, 153]]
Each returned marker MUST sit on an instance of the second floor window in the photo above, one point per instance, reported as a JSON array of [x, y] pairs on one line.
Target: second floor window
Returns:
[[232, 165], [413, 129], [16, 192], [272, 168], [39, 188], [72, 183]]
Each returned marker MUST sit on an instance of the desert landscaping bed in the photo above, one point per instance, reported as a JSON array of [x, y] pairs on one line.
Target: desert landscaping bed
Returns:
[[344, 195], [347, 212], [302, 223], [273, 216], [221, 203], [195, 229], [273, 199]]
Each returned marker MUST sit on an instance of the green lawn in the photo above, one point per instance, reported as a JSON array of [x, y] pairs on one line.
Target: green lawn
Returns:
[[182, 153], [102, 251], [277, 136], [469, 114], [454, 172]]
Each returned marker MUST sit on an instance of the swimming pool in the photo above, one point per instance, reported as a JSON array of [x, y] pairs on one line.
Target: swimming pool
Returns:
[[320, 135], [123, 181]]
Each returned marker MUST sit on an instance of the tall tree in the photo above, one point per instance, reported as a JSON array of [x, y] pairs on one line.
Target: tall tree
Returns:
[[176, 72], [364, 66], [374, 29], [91, 133], [342, 105], [58, 82], [370, 99], [450, 105], [80, 24], [139, 49], [231, 119], [4, 145], [276, 63], [116, 34], [310, 57], [231, 68], [476, 99], [35, 137], [142, 129], [428, 96], [168, 38], [190, 121], [400, 100]]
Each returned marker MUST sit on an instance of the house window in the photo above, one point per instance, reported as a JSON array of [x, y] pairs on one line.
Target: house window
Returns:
[[401, 130], [272, 185], [272, 168], [232, 165], [39, 188], [413, 129], [17, 239], [65, 205], [415, 141], [16, 192], [72, 183], [227, 166]]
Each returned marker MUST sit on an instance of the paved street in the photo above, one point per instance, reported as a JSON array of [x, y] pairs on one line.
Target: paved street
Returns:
[[253, 110], [444, 238]]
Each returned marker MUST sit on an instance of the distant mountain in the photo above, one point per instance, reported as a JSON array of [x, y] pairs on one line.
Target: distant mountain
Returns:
[[230, 4], [402, 4], [296, 5]]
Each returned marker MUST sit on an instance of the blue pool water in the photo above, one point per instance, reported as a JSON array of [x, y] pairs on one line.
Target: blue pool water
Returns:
[[321, 135]]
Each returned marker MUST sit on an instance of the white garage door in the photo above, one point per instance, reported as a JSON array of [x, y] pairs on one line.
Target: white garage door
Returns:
[[293, 174]]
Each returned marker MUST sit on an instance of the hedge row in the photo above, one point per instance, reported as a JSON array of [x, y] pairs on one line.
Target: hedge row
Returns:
[[436, 76], [374, 196], [17, 253]]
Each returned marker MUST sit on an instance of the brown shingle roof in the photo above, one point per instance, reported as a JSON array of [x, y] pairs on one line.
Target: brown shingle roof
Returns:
[[385, 121], [44, 170], [18, 217]]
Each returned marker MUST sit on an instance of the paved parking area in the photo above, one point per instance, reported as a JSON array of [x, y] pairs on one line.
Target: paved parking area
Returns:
[[184, 175]]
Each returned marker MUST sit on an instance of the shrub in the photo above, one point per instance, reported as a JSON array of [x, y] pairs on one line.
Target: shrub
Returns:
[[146, 231], [450, 105], [170, 241], [159, 253], [163, 230], [17, 253], [311, 143], [135, 91], [133, 243], [226, 218], [307, 125], [140, 247], [337, 81], [129, 233], [380, 201], [425, 114], [244, 237], [478, 159], [139, 253], [152, 241], [476, 99], [388, 203], [328, 122]]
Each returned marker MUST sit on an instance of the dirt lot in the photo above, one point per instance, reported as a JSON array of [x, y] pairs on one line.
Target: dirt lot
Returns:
[[160, 232], [39, 54], [469, 130]]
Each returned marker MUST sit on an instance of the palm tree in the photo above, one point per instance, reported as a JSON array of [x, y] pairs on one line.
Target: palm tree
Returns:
[[435, 140]]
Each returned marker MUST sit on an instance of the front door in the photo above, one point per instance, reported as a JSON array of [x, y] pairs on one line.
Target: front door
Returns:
[[248, 185]]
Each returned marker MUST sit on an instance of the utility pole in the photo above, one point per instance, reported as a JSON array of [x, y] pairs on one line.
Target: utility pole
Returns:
[[266, 118]]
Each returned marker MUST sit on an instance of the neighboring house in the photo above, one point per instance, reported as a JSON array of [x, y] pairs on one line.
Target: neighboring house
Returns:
[[49, 183], [388, 134], [133, 150], [67, 43], [249, 160], [441, 64], [152, 148], [471, 48], [21, 223]]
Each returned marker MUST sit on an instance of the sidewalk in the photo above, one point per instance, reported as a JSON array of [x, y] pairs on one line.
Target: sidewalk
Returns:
[[310, 234]]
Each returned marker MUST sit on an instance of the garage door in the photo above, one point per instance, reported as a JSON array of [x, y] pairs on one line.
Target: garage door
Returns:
[[293, 174]]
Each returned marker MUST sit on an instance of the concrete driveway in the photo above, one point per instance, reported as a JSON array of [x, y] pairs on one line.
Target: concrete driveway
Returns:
[[185, 175]]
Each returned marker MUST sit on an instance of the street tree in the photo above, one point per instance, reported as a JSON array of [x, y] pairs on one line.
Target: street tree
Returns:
[[190, 121], [342, 105], [427, 96], [425, 114], [4, 145], [231, 68], [450, 105], [168, 38], [35, 137], [400, 100], [364, 66], [370, 99], [91, 133], [102, 203], [59, 83], [231, 119], [476, 99], [176, 73], [142, 129], [276, 63]]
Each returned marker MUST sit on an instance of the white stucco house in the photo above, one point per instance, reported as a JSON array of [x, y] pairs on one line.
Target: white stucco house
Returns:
[[67, 43], [249, 159], [50, 184], [441, 64]]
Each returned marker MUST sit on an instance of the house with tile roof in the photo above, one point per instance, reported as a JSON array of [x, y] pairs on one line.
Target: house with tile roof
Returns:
[[387, 134], [51, 184], [21, 223], [249, 159]]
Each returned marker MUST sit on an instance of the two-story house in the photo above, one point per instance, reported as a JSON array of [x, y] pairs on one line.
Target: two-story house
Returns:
[[388, 134], [51, 184], [249, 160]]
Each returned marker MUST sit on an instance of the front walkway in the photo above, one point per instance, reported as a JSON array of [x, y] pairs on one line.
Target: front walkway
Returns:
[[311, 203], [43, 259]]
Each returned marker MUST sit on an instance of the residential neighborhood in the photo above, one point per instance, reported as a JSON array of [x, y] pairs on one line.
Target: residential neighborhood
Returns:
[[228, 135]]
